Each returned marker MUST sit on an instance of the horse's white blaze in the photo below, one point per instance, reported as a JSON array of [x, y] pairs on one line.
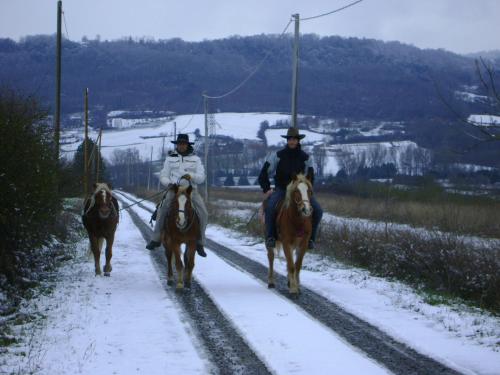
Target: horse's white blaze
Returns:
[[103, 192], [302, 187], [182, 205]]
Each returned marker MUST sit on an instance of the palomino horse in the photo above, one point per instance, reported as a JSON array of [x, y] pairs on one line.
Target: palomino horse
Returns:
[[294, 227], [100, 219], [181, 226]]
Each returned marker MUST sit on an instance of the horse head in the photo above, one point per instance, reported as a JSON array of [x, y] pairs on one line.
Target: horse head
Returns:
[[299, 191], [183, 205], [103, 199]]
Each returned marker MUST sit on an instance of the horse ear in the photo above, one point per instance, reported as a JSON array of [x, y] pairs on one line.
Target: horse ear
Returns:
[[176, 188], [94, 185], [109, 185], [294, 176], [189, 190]]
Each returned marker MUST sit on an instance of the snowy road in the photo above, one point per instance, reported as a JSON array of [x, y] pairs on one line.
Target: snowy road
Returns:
[[229, 322], [256, 313]]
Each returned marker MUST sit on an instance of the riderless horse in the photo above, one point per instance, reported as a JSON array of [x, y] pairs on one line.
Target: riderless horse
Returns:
[[100, 218], [294, 227], [181, 226]]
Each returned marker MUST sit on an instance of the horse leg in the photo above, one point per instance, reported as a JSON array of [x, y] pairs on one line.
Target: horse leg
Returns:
[[270, 275], [301, 251], [292, 280], [189, 256], [170, 271], [179, 267], [94, 245], [109, 255]]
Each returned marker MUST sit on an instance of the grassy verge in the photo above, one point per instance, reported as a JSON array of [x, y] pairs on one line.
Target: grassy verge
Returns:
[[467, 216]]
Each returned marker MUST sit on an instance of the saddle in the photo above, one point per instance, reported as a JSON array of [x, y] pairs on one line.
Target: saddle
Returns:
[[280, 210]]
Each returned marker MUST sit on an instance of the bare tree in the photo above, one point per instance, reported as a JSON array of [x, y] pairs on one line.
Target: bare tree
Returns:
[[489, 131]]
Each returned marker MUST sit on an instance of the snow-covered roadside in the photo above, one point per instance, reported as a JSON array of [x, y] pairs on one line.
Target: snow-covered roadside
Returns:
[[125, 324], [465, 339]]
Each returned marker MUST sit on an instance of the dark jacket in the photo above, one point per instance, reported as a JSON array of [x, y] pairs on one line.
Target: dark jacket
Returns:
[[282, 165]]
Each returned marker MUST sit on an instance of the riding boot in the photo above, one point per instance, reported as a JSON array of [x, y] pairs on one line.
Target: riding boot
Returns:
[[200, 250]]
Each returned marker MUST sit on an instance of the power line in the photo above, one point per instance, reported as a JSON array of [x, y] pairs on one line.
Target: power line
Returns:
[[65, 26], [242, 83], [333, 11], [192, 116]]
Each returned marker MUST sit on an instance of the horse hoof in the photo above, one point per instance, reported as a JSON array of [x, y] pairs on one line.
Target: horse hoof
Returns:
[[179, 288], [98, 273], [187, 285], [288, 284], [271, 286], [170, 282], [108, 274]]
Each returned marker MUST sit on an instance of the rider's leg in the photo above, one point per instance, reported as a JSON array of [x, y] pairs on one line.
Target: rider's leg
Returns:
[[270, 218], [201, 211], [160, 218], [316, 218]]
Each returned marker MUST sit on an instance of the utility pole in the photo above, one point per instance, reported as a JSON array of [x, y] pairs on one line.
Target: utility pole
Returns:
[[98, 156], [295, 70], [205, 102], [175, 130], [57, 124], [85, 145]]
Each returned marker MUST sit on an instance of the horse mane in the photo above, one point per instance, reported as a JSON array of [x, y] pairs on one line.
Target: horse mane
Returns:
[[102, 186], [91, 200], [293, 185]]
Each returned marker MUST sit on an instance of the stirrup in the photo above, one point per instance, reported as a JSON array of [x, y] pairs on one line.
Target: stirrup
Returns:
[[270, 243]]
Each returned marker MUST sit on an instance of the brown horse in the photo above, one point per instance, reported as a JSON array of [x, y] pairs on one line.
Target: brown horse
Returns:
[[100, 219], [181, 226], [294, 227]]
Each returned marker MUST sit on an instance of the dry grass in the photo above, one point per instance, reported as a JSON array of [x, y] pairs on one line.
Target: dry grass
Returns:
[[471, 218]]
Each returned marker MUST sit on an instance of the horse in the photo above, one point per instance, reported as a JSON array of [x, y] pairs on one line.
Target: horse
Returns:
[[100, 218], [181, 226], [294, 228]]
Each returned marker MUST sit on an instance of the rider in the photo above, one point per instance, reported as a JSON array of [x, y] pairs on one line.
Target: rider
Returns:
[[282, 165], [181, 164]]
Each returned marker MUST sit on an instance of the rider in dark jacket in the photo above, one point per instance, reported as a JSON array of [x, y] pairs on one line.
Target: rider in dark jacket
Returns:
[[282, 165]]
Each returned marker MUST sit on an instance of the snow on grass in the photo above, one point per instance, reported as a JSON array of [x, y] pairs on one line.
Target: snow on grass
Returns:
[[125, 324], [466, 339]]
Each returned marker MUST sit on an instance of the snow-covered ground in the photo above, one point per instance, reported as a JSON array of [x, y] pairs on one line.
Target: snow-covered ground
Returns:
[[465, 339], [124, 324], [485, 120]]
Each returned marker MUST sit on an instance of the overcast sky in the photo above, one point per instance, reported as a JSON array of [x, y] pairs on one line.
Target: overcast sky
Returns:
[[458, 25]]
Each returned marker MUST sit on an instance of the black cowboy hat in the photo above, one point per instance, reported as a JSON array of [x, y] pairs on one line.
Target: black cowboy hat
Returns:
[[293, 133], [182, 138]]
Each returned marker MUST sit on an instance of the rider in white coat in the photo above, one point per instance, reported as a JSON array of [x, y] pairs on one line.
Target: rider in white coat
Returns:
[[181, 164]]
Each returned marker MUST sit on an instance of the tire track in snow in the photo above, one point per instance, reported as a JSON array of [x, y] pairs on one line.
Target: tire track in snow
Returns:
[[396, 356], [229, 353]]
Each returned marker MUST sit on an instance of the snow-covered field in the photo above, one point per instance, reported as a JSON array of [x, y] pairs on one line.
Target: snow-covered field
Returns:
[[485, 120], [236, 125]]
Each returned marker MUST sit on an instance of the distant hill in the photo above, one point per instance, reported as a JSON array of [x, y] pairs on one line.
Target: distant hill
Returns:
[[339, 77]]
